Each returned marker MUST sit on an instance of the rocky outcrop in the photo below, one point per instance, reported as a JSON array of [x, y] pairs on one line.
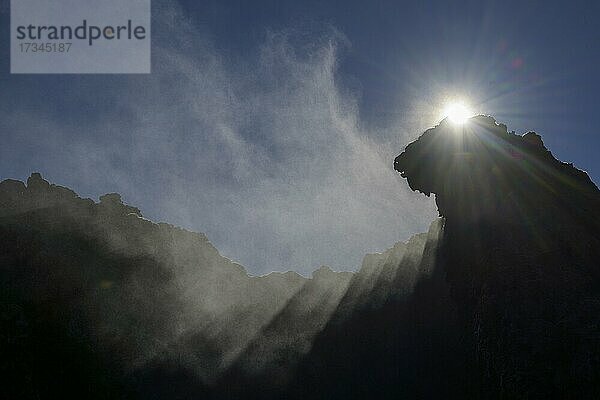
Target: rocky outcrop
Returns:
[[521, 254]]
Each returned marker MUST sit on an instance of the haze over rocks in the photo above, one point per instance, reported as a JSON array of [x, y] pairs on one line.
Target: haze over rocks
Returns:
[[499, 299], [146, 295]]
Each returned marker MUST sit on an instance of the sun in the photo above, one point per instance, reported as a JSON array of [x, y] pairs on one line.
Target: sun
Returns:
[[457, 112]]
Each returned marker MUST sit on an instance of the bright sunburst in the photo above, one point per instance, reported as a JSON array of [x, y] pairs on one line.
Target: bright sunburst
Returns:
[[457, 112]]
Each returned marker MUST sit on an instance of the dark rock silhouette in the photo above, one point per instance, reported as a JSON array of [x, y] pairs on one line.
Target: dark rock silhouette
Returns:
[[499, 299], [521, 254]]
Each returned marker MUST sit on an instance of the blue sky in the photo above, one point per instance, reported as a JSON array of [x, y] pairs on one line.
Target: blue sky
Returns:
[[272, 125]]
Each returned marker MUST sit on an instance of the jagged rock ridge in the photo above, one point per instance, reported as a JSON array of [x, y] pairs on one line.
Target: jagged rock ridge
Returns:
[[153, 302]]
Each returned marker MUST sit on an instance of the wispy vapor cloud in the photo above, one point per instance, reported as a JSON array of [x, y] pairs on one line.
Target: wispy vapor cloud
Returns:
[[266, 155]]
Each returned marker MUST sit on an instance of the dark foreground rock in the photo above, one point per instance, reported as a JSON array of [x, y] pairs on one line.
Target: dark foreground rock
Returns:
[[521, 254]]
